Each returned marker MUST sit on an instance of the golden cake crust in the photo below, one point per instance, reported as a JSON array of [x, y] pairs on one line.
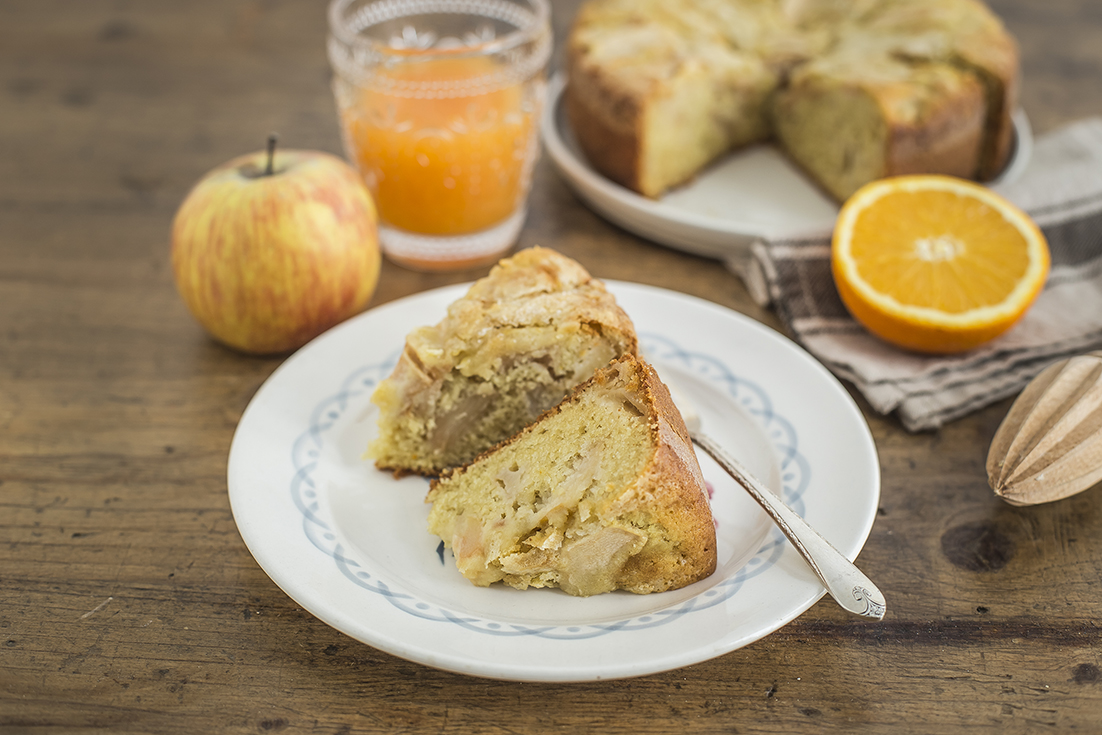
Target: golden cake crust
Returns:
[[672, 490], [611, 141]]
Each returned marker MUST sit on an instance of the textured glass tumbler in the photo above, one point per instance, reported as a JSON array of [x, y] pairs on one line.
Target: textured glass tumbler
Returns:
[[439, 103]]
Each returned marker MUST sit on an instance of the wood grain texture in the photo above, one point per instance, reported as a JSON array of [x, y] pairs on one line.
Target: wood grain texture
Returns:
[[129, 603]]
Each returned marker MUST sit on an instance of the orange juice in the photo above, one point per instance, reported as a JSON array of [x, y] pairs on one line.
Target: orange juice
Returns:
[[442, 165]]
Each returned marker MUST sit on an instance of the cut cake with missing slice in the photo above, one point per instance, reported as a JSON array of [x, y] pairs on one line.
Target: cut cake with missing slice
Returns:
[[851, 90], [511, 348], [603, 492]]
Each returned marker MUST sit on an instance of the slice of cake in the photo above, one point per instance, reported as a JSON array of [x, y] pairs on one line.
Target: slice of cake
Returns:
[[511, 348], [604, 492]]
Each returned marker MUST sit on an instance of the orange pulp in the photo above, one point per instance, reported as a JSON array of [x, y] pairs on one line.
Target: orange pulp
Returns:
[[442, 165]]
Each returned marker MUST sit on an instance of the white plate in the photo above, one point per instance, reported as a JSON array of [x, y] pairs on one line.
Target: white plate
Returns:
[[348, 542], [754, 194]]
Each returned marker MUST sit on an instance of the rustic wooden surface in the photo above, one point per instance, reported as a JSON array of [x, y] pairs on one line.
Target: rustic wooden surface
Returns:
[[128, 602]]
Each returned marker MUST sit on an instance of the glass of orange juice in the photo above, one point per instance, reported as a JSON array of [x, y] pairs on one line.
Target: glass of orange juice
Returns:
[[439, 102]]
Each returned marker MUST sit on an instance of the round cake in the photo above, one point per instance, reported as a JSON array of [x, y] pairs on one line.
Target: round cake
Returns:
[[851, 90]]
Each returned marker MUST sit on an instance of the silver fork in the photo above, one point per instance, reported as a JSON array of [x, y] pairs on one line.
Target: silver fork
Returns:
[[845, 582]]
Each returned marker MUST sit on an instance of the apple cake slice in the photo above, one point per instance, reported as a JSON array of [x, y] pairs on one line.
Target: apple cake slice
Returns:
[[511, 348], [604, 492]]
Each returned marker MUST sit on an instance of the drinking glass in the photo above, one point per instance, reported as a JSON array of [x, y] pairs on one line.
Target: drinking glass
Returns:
[[439, 103]]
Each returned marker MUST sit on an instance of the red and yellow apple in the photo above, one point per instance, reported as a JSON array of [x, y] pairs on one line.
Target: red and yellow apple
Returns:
[[269, 252]]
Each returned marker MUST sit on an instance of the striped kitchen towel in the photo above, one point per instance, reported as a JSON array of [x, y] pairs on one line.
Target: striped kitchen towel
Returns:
[[1061, 188]]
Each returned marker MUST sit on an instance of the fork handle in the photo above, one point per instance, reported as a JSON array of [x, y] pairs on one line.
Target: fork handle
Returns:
[[845, 582]]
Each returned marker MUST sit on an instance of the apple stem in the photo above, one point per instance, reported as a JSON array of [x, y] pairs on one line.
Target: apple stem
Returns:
[[270, 169]]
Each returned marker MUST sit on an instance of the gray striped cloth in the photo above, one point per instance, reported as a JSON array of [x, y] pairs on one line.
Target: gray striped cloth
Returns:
[[1062, 190]]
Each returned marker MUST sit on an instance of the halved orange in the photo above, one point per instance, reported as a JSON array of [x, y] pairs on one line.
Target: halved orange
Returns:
[[936, 264]]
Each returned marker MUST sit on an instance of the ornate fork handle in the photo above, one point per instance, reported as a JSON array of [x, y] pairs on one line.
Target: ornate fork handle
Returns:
[[844, 581]]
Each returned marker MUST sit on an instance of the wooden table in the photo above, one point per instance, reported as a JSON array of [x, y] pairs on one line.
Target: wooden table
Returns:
[[128, 601]]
